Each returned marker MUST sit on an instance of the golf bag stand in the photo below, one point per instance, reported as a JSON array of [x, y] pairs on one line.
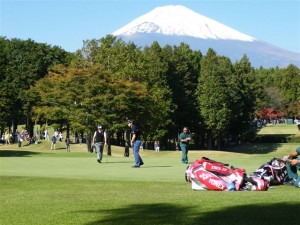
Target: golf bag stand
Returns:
[[126, 153]]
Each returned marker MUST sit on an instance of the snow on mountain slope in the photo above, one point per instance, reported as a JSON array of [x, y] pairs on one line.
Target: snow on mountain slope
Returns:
[[181, 21], [172, 25]]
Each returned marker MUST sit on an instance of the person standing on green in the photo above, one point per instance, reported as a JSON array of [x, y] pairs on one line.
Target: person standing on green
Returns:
[[184, 140]]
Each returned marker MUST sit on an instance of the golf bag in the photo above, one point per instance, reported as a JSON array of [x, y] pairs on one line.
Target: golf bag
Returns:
[[127, 143], [126, 152], [206, 174], [274, 171]]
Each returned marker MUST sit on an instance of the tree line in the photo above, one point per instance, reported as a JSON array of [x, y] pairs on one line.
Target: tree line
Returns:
[[165, 88]]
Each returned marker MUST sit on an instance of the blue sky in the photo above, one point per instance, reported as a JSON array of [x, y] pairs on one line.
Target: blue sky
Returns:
[[67, 23]]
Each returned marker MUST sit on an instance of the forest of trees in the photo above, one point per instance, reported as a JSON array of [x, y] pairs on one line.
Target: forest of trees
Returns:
[[163, 88]]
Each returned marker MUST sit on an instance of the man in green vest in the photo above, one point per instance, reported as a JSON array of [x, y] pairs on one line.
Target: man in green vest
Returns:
[[184, 140]]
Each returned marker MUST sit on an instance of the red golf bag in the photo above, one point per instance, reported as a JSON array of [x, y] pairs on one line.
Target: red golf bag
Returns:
[[206, 174]]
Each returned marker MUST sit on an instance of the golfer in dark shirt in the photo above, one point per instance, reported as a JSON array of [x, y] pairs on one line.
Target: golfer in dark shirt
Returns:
[[135, 143]]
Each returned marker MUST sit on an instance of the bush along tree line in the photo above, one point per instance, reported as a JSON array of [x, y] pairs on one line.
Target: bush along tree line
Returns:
[[163, 88]]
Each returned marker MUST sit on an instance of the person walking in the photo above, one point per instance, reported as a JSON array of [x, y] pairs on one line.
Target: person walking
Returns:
[[80, 139], [184, 140], [18, 138], [135, 143], [60, 136], [53, 142], [99, 140], [156, 146], [46, 133], [7, 138], [22, 135], [67, 141]]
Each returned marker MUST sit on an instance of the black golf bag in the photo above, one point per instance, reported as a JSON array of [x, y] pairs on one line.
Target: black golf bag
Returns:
[[274, 171]]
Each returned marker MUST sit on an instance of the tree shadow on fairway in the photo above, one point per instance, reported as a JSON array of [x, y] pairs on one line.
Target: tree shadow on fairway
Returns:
[[254, 148], [143, 214], [275, 138], [13, 153], [60, 148], [150, 214], [253, 214]]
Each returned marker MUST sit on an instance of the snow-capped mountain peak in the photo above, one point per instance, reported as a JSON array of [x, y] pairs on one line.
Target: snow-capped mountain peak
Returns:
[[181, 21], [173, 25]]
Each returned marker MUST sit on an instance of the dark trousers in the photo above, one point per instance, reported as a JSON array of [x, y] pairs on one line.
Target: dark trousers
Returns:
[[184, 150]]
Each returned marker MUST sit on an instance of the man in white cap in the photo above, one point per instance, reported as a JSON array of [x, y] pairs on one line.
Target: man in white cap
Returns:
[[99, 140]]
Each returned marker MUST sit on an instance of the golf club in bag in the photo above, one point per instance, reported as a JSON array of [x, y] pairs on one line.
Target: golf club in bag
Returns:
[[274, 171]]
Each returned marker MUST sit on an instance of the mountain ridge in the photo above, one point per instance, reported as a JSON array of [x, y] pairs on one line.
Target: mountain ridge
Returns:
[[202, 33], [184, 22]]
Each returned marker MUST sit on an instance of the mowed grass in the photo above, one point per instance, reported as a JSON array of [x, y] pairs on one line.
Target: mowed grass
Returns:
[[290, 129], [40, 186]]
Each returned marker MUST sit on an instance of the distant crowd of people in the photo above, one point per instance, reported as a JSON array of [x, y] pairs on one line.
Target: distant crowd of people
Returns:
[[24, 139], [18, 137], [275, 121]]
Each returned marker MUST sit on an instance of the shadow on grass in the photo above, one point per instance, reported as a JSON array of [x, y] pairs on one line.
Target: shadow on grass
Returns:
[[277, 138], [60, 148], [254, 148], [173, 214], [13, 153], [154, 166], [118, 162]]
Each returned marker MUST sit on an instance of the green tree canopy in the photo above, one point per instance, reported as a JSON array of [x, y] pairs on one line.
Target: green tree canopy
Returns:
[[213, 97], [23, 62]]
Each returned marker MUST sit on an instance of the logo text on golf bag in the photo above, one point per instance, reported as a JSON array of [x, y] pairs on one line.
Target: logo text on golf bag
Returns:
[[216, 184]]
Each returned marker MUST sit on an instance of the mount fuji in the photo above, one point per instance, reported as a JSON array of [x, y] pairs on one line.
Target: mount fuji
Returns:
[[172, 25]]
